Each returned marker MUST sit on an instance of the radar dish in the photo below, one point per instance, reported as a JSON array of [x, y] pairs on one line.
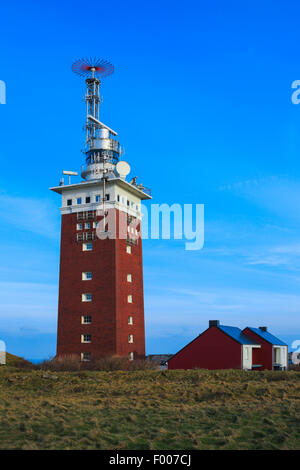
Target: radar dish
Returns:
[[123, 168], [100, 68]]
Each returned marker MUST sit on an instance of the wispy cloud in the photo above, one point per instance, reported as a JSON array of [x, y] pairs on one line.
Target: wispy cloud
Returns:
[[33, 215], [277, 194], [27, 305], [175, 309], [287, 256]]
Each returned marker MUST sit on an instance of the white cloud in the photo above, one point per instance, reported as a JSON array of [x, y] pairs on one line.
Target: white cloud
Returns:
[[33, 215], [172, 310], [279, 195], [27, 305]]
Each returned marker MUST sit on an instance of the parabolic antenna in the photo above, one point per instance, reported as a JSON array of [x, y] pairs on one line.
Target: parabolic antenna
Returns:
[[123, 168]]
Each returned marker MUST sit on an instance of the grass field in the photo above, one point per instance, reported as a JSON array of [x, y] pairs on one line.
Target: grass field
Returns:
[[149, 409]]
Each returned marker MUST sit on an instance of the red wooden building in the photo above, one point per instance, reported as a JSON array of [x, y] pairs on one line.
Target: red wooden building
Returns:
[[226, 347], [272, 354]]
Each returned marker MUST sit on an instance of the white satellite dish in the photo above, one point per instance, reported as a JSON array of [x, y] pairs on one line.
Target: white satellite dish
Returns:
[[123, 168]]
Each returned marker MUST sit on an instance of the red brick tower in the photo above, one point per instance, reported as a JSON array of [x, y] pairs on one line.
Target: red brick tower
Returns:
[[101, 307]]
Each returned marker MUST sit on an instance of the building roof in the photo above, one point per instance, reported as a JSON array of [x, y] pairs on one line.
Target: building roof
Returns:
[[267, 336], [237, 335], [232, 331], [96, 182]]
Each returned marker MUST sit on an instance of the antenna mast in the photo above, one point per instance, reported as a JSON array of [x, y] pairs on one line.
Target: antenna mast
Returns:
[[102, 150]]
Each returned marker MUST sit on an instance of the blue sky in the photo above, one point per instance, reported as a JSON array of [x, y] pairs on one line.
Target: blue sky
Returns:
[[201, 99]]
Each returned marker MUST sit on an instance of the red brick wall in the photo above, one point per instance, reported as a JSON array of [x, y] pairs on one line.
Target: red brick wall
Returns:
[[213, 349], [109, 263]]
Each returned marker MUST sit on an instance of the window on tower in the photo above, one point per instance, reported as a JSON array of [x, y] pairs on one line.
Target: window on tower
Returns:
[[86, 319], [87, 276], [87, 297], [98, 198], [87, 225], [87, 200], [130, 338], [79, 226], [128, 249], [107, 197], [87, 246], [79, 200], [86, 356], [131, 356], [69, 202], [129, 278], [130, 320], [86, 338], [129, 299]]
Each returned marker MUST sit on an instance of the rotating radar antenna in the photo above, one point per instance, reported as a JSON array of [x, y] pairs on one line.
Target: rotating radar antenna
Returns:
[[90, 68], [101, 147]]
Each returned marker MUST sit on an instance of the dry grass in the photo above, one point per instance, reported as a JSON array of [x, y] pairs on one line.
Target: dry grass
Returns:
[[19, 362], [110, 363], [149, 409]]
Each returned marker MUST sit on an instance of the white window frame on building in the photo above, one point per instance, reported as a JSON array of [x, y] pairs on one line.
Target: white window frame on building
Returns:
[[130, 320], [87, 275], [130, 338], [129, 299], [131, 356], [85, 356], [128, 249], [86, 319], [87, 297], [129, 277], [87, 246], [86, 338], [79, 226], [87, 225]]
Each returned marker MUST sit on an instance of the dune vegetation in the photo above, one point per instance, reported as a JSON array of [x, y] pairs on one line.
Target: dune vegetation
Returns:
[[147, 409]]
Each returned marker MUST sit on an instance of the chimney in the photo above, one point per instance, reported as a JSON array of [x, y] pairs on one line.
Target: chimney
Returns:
[[213, 323], [263, 328]]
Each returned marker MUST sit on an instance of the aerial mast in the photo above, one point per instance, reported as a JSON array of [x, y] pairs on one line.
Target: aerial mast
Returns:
[[102, 150]]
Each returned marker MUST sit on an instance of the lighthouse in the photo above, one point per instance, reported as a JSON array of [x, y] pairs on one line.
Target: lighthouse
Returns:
[[101, 304]]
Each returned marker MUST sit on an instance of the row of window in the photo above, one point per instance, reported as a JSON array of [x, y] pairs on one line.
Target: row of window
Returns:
[[88, 275], [88, 297], [89, 246], [88, 338], [87, 225], [87, 199], [87, 320], [86, 356]]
